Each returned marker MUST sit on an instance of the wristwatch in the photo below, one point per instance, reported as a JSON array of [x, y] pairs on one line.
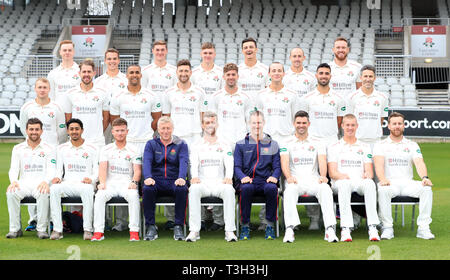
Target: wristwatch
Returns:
[[135, 182], [425, 177]]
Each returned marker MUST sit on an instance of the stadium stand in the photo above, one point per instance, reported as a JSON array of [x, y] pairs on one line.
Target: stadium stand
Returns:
[[277, 25]]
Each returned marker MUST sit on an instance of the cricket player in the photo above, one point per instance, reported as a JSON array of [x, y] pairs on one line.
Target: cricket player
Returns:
[[140, 107], [351, 170], [113, 81], [232, 107], [119, 175], [33, 165], [159, 75], [165, 166], [297, 78], [345, 79], [279, 104], [185, 104], [76, 175], [369, 106], [257, 168], [253, 75], [304, 164], [66, 75], [208, 75], [211, 162], [89, 104], [394, 158]]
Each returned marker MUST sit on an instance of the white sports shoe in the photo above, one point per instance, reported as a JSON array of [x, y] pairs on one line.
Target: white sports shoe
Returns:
[[230, 236], [345, 235], [193, 236], [373, 233], [387, 233], [330, 235], [289, 235], [425, 234]]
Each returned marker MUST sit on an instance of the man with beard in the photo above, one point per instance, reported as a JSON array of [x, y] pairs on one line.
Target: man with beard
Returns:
[[232, 107], [159, 75], [76, 175], [139, 106], [253, 75], [325, 109], [297, 78], [89, 104], [345, 79], [394, 158], [66, 75], [211, 162], [208, 75], [369, 106], [33, 165]]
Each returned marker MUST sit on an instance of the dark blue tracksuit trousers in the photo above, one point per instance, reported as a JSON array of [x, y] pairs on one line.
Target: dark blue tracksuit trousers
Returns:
[[258, 187], [165, 187]]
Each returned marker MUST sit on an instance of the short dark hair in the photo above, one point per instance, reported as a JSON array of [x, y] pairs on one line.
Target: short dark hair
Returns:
[[301, 114], [133, 65], [119, 122], [230, 66], [184, 62], [249, 39], [112, 50], [88, 62], [73, 120], [34, 121], [395, 115], [323, 65], [368, 67]]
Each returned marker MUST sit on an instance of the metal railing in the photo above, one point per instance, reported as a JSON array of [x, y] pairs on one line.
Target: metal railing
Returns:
[[388, 34], [426, 21], [41, 65], [431, 74], [86, 21], [394, 65]]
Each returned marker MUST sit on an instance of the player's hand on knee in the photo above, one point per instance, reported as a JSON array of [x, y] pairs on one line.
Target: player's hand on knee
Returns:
[[384, 182], [56, 180], [149, 182], [272, 179], [43, 188], [86, 180], [426, 182], [180, 182], [227, 181], [13, 187], [195, 180], [323, 180], [246, 180], [132, 185], [101, 186], [291, 180]]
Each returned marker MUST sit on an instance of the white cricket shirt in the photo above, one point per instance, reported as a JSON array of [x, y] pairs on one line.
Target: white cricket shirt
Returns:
[[88, 107], [51, 116], [211, 161], [159, 79], [253, 79], [323, 110], [233, 112], [184, 109], [113, 85], [343, 79], [279, 108], [120, 161], [303, 156], [300, 83], [368, 110], [210, 81], [137, 110], [398, 157], [350, 158], [38, 164], [77, 163], [61, 80]]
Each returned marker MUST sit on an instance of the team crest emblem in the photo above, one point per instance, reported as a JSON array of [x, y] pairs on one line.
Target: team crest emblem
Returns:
[[360, 152], [260, 75], [286, 100], [173, 152], [51, 115], [144, 101], [193, 99], [85, 156], [332, 103], [239, 103], [41, 154], [95, 98], [376, 103], [128, 158], [168, 77]]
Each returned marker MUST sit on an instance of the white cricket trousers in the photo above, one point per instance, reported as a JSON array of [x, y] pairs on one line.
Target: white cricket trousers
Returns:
[[28, 188], [116, 188], [70, 189], [211, 188], [365, 187], [322, 192], [405, 187]]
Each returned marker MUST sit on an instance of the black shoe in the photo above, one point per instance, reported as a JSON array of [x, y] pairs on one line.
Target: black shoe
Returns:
[[151, 234], [178, 233], [31, 226], [169, 225], [215, 227]]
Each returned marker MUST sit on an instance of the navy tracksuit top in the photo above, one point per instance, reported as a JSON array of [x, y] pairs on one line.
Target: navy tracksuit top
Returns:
[[257, 160], [165, 162]]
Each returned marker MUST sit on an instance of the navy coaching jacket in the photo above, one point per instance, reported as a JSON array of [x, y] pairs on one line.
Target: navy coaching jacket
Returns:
[[257, 160], [165, 162]]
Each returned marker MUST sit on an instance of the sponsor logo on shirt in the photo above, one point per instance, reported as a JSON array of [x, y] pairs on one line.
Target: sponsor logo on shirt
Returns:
[[276, 112], [184, 110], [31, 168], [77, 168], [398, 162], [367, 116], [210, 162], [346, 163], [324, 115], [86, 110], [303, 161], [119, 170]]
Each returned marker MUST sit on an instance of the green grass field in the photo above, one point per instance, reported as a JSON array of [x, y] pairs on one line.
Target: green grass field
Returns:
[[212, 246]]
